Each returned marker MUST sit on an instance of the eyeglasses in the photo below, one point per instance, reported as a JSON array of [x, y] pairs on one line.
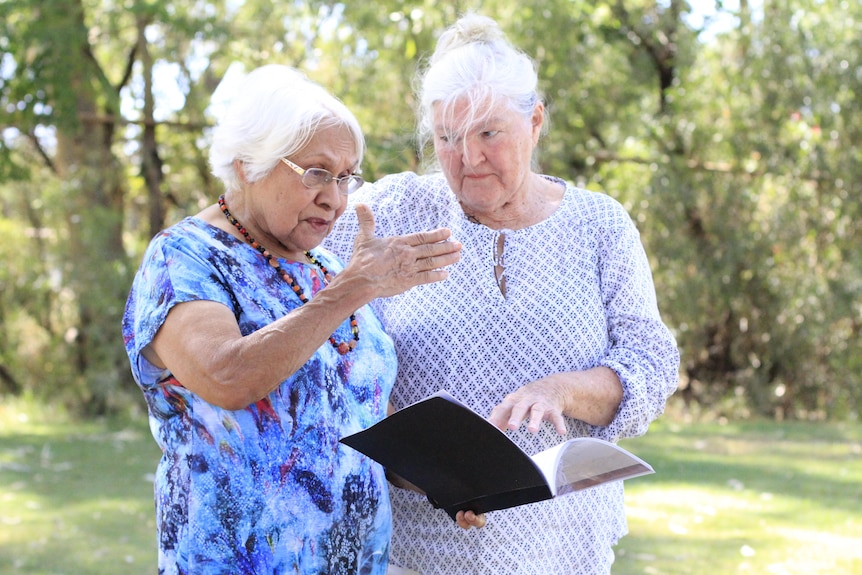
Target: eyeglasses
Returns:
[[316, 178]]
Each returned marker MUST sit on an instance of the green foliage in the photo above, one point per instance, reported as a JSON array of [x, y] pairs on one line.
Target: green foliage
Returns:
[[767, 224], [735, 150]]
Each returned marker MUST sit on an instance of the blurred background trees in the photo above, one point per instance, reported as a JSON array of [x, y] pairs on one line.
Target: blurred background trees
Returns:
[[726, 128]]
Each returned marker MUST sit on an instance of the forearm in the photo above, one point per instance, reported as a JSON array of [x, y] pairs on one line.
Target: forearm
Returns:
[[592, 396], [200, 343]]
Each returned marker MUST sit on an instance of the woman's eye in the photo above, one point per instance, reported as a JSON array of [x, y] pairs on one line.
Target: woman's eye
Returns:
[[490, 133]]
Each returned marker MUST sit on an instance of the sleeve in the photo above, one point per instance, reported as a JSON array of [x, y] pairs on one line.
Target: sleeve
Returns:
[[171, 272], [643, 351]]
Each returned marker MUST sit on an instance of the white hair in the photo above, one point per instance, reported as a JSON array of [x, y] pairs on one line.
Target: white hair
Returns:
[[474, 60], [276, 112]]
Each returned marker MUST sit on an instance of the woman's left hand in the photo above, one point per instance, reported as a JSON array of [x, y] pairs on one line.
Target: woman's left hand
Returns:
[[468, 519], [540, 400], [592, 395]]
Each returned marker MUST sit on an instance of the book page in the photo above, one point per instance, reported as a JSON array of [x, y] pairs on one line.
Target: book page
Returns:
[[546, 461], [586, 462]]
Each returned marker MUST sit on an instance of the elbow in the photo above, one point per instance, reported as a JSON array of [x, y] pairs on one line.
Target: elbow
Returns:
[[233, 396], [226, 393]]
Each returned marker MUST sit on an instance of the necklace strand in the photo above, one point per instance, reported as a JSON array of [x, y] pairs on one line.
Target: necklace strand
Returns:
[[344, 347]]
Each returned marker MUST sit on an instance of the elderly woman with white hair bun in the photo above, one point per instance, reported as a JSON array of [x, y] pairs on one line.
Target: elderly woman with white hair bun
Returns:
[[548, 324], [256, 352]]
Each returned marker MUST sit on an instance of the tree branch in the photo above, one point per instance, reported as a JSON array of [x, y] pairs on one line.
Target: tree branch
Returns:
[[92, 118]]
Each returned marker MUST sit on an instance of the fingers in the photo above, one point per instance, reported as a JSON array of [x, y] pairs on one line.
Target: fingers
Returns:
[[511, 413], [527, 406], [428, 237], [415, 263], [437, 255], [468, 519], [434, 248], [391, 265], [365, 218]]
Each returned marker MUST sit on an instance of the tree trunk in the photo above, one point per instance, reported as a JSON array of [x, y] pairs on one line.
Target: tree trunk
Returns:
[[94, 183]]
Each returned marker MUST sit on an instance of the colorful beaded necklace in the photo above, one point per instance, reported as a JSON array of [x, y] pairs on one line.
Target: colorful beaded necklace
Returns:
[[344, 347]]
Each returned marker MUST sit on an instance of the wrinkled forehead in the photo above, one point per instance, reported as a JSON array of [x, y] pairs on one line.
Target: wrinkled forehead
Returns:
[[466, 114]]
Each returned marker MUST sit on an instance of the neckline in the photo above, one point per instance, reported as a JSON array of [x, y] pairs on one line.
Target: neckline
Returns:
[[343, 347], [474, 222]]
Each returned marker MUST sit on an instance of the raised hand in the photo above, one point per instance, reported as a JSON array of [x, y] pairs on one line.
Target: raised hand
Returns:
[[395, 264]]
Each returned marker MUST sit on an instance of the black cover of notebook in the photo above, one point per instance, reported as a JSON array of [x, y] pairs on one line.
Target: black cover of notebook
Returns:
[[458, 458]]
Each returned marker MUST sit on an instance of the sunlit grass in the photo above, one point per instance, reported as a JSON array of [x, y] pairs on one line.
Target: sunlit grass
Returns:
[[75, 497], [742, 498], [759, 498]]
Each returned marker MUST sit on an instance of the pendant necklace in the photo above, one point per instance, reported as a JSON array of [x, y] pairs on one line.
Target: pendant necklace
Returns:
[[344, 347]]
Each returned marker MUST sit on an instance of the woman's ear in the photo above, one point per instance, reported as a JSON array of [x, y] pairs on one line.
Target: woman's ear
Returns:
[[537, 120], [239, 168]]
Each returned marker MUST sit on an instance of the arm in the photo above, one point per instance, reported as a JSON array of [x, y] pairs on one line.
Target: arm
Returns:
[[593, 396], [201, 344], [629, 385]]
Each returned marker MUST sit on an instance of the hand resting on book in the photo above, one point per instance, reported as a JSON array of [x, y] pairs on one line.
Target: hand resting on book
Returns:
[[593, 396]]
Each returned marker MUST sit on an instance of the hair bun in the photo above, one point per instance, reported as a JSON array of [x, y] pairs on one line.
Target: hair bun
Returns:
[[469, 29]]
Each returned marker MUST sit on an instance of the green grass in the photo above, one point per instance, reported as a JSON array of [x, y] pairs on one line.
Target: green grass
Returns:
[[761, 498], [75, 498], [752, 498]]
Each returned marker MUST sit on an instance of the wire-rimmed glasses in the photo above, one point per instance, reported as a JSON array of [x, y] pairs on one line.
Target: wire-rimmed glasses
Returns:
[[315, 178]]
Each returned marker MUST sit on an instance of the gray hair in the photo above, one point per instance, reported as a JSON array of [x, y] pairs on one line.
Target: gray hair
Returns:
[[276, 112], [474, 59]]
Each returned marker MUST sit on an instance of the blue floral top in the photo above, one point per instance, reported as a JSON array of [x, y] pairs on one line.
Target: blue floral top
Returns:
[[266, 489]]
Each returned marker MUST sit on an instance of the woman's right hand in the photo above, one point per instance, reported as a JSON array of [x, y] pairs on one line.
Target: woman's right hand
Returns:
[[395, 264], [468, 519]]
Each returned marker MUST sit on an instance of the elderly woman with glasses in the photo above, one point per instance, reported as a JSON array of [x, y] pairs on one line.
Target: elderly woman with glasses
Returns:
[[256, 352], [548, 324]]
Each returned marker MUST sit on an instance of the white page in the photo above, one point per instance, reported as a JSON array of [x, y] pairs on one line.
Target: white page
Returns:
[[586, 461]]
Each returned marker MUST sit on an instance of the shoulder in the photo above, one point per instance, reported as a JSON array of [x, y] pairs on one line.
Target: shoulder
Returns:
[[190, 230], [190, 242], [407, 202], [593, 208], [405, 188]]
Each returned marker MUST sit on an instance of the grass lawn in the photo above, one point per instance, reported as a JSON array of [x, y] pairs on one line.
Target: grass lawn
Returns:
[[756, 497], [761, 498]]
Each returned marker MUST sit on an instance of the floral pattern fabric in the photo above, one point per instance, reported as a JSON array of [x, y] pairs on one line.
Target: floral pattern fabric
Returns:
[[265, 489]]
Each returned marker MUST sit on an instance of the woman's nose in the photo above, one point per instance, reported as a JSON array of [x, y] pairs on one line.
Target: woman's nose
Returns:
[[472, 154], [329, 196]]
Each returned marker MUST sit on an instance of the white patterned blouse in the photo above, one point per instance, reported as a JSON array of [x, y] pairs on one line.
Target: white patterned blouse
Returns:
[[579, 294]]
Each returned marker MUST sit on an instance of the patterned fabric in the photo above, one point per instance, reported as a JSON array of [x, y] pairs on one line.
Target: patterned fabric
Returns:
[[579, 295], [266, 489]]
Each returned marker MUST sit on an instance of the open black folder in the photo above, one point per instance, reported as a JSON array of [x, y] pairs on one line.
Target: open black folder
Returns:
[[463, 462]]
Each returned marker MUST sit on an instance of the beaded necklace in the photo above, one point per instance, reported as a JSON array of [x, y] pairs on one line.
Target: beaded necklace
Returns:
[[344, 347]]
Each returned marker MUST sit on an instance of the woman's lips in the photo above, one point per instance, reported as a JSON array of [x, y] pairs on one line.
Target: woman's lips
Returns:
[[319, 224]]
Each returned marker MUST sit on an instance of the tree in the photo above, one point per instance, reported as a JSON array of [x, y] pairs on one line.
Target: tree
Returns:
[[734, 149]]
